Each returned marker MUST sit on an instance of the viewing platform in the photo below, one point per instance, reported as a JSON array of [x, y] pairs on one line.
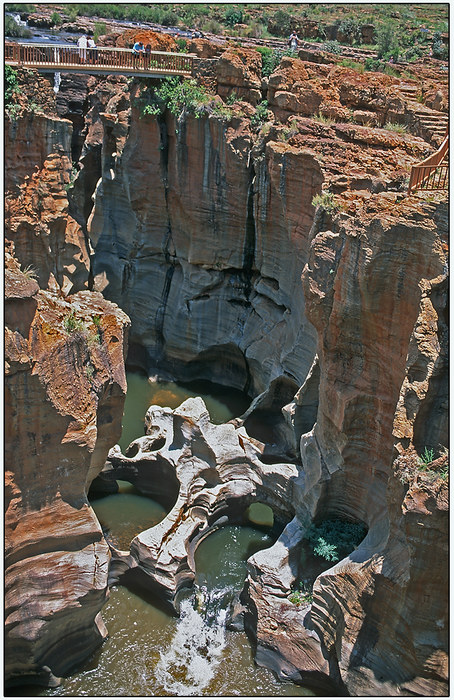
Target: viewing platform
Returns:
[[47, 58]]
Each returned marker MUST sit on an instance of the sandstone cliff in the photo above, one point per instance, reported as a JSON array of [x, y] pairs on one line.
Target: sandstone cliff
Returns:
[[65, 387], [199, 228]]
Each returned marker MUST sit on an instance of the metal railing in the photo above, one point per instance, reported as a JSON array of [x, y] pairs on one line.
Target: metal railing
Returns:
[[102, 59], [433, 172]]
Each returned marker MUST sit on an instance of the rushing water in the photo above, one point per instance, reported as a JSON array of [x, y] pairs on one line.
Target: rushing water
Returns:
[[150, 653], [222, 403]]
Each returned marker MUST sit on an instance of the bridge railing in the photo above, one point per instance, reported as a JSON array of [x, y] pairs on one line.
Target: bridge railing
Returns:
[[433, 172], [64, 56]]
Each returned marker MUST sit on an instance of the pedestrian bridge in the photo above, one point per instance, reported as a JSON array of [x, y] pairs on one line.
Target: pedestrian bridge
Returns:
[[49, 58]]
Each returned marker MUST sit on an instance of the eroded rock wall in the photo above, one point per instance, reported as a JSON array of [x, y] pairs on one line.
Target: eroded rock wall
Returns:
[[368, 282], [202, 242], [64, 392]]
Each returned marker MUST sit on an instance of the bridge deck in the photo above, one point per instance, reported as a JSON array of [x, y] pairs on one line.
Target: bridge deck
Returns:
[[103, 60]]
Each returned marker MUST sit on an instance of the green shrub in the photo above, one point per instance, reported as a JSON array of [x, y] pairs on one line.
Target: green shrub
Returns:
[[326, 201], [99, 30], [212, 26], [56, 19], [271, 58], [182, 45], [11, 84], [439, 50], [332, 47], [169, 18], [233, 15], [181, 96], [261, 114], [280, 23], [71, 324], [387, 44], [351, 28], [333, 539]]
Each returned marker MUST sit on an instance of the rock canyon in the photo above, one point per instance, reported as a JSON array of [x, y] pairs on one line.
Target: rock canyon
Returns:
[[270, 247]]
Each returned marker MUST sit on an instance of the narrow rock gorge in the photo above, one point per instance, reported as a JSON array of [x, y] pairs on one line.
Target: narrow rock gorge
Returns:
[[275, 252]]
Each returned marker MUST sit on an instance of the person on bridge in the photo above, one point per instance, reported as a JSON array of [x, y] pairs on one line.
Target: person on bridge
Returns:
[[147, 54], [92, 53], [82, 44], [138, 50]]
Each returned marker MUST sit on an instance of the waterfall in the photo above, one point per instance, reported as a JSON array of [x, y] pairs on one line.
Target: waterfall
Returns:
[[57, 81], [18, 20], [189, 663]]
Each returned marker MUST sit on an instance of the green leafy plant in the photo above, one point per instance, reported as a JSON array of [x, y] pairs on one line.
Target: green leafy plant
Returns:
[[326, 201], [387, 43], [180, 97], [332, 47], [351, 29], [56, 19], [11, 84], [397, 128], [71, 323], [301, 596], [261, 114], [333, 539], [280, 23], [182, 45], [271, 58], [233, 15], [426, 457]]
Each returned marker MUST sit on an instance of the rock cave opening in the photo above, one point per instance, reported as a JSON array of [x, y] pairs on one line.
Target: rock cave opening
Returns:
[[326, 542]]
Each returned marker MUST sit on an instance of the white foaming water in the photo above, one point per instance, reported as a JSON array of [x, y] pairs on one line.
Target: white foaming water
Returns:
[[57, 81], [190, 662]]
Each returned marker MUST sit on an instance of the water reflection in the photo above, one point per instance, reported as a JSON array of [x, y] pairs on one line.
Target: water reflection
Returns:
[[222, 403], [124, 514]]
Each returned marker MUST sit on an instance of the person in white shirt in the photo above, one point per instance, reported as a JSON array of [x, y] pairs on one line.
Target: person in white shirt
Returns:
[[82, 44]]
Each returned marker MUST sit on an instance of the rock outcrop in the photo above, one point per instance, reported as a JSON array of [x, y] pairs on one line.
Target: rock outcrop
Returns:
[[186, 204], [211, 473], [64, 392], [200, 227], [363, 609]]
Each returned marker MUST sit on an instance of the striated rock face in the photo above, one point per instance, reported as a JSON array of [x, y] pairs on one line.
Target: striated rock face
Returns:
[[64, 394], [374, 635], [199, 217], [46, 237]]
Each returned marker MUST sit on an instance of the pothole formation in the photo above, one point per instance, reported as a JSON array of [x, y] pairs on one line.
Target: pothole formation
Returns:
[[211, 473]]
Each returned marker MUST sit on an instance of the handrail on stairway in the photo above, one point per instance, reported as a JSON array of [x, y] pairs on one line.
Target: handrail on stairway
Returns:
[[433, 172]]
